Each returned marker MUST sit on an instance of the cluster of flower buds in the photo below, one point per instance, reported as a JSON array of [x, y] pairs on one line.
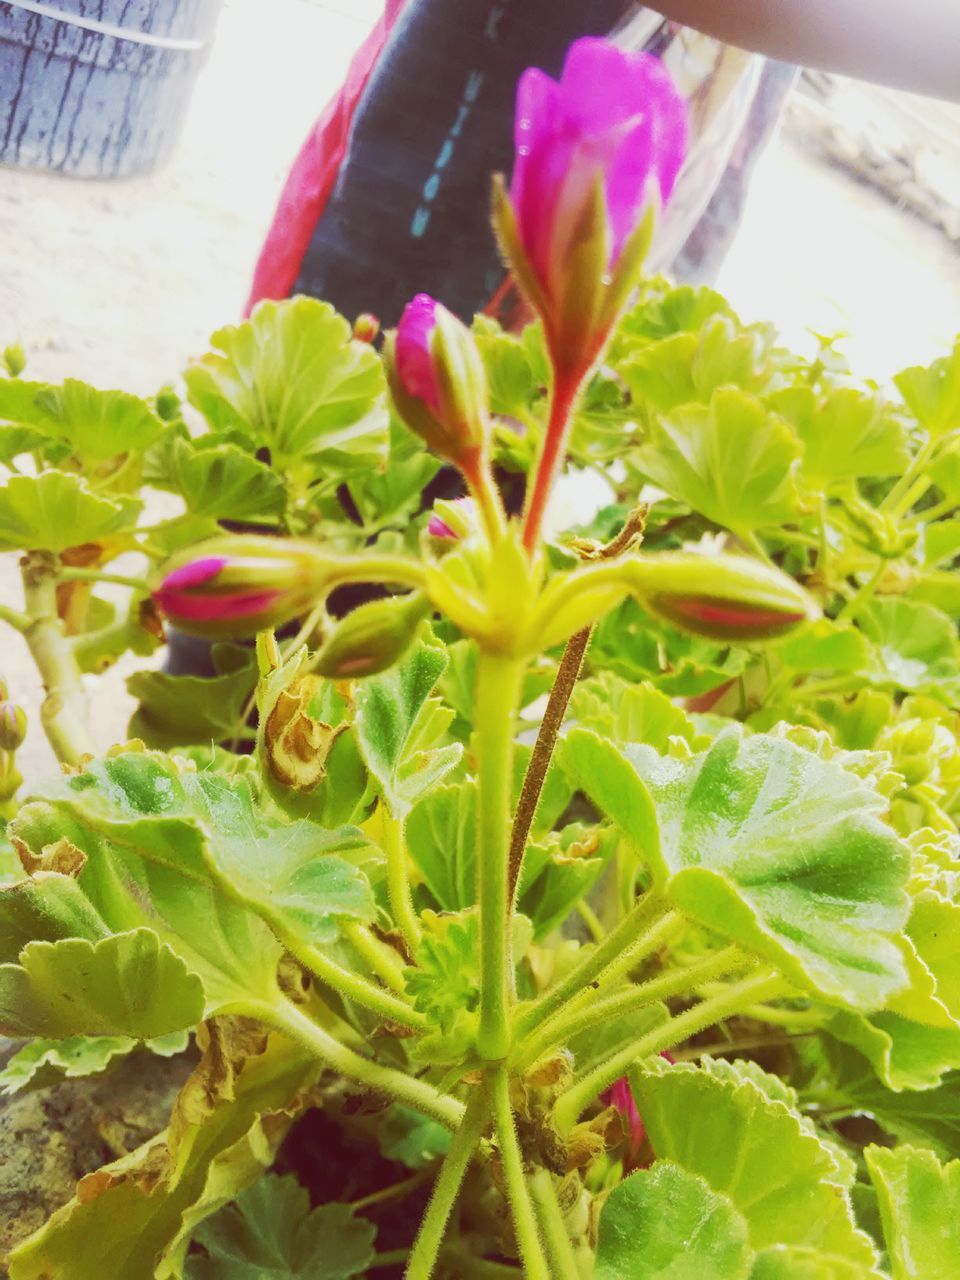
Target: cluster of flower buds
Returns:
[[13, 732]]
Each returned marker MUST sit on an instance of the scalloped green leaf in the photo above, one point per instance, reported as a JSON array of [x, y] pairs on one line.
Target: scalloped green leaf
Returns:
[[54, 510], [270, 1231], [178, 711], [932, 393], [792, 1262], [96, 425], [41, 1063], [687, 368], [847, 433], [400, 726], [904, 1054], [293, 381], [916, 647], [732, 462], [129, 984], [632, 713], [771, 846], [920, 1211], [666, 1223], [220, 481], [824, 646], [755, 1150]]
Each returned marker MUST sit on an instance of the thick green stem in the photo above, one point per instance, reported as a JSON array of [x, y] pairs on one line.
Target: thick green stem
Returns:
[[562, 1257], [398, 879], [414, 1093], [351, 985], [762, 985], [497, 696], [65, 710], [521, 1206], [426, 1247], [574, 1021], [382, 958], [648, 925], [487, 497], [907, 489]]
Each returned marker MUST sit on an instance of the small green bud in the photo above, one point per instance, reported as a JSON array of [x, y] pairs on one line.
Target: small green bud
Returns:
[[372, 637], [721, 597], [14, 360], [13, 726]]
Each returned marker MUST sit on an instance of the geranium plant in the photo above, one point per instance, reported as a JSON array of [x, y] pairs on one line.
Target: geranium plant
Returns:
[[597, 886]]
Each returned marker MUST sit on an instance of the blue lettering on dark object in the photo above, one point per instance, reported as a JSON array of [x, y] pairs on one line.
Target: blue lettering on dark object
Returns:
[[421, 217], [493, 21]]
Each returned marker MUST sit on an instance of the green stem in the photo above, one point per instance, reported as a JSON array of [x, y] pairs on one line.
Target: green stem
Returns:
[[418, 1094], [756, 546], [391, 1259], [497, 696], [19, 621], [398, 879], [562, 1257], [396, 1191], [381, 957], [521, 1206], [761, 985], [903, 494], [573, 1021], [467, 1267], [466, 1140], [863, 595], [70, 574], [648, 925], [487, 497], [352, 986], [65, 710], [591, 920]]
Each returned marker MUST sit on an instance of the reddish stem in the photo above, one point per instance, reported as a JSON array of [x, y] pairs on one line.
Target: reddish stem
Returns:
[[566, 388]]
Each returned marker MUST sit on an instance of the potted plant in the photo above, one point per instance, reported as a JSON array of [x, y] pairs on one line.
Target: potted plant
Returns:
[[585, 904]]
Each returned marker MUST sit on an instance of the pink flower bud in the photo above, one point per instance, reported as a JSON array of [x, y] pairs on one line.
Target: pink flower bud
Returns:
[[438, 381], [454, 520], [242, 585], [13, 726], [595, 152]]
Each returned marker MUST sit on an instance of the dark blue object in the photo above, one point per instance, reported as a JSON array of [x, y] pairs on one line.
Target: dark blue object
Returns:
[[98, 88]]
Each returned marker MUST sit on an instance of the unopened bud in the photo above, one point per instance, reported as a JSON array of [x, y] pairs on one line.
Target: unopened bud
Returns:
[[14, 360], [438, 381], [372, 638], [13, 726], [453, 520], [721, 597], [237, 586], [366, 327]]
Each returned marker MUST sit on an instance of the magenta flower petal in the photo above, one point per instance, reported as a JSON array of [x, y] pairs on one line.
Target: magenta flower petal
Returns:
[[415, 365], [438, 528], [194, 574], [237, 604]]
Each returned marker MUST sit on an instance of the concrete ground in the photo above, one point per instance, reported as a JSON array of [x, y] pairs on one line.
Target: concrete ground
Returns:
[[120, 283]]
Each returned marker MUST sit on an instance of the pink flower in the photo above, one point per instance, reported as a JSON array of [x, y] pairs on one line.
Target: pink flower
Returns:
[[454, 519], [242, 584], [614, 118], [415, 366]]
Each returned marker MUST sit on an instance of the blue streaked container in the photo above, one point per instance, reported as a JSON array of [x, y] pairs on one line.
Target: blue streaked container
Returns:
[[98, 88]]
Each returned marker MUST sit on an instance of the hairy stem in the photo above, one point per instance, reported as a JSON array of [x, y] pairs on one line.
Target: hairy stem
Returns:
[[572, 1022], [65, 710], [426, 1247], [398, 879], [353, 986], [521, 1206], [567, 674], [648, 925], [562, 1257], [566, 389], [497, 695], [761, 985], [487, 497], [382, 958], [418, 1094]]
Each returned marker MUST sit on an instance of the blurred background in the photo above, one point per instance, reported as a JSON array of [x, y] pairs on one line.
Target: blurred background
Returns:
[[852, 226]]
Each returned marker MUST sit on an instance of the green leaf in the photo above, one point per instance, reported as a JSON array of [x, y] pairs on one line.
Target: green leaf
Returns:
[[41, 1063], [771, 846], [270, 1233], [753, 1149], [664, 309], [846, 434], [133, 1218], [792, 1262], [409, 1138], [441, 838], [632, 713], [177, 711], [824, 646], [398, 728], [560, 870], [932, 393], [53, 511], [941, 541], [904, 1054], [200, 836], [666, 1223], [291, 380], [920, 1210], [129, 984], [220, 481], [97, 425], [732, 462], [513, 379], [688, 368], [916, 647]]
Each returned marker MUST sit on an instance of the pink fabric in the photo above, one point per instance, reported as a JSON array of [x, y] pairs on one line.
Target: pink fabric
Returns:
[[415, 365], [310, 181], [614, 115]]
